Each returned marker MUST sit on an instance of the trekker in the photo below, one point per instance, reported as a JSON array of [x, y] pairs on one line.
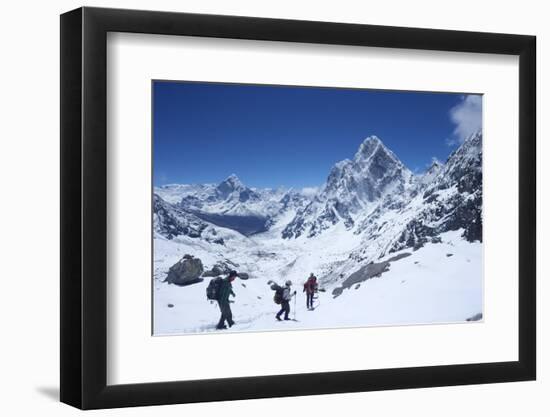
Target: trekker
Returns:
[[225, 290], [310, 287], [285, 301]]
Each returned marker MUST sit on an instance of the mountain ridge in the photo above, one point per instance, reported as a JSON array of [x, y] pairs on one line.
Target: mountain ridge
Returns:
[[359, 194]]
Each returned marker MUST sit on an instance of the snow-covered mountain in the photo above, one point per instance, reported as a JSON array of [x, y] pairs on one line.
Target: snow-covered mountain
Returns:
[[361, 194], [171, 221], [233, 205], [446, 198], [352, 189], [372, 210], [431, 173]]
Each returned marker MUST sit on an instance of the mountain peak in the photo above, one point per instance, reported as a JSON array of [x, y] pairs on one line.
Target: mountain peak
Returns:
[[233, 181], [230, 185], [373, 139], [435, 165], [368, 146], [474, 136]]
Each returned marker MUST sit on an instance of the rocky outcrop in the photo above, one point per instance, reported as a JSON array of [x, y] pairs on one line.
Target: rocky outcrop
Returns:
[[171, 221], [475, 317], [451, 201], [243, 275], [186, 271], [223, 268], [351, 186], [366, 272]]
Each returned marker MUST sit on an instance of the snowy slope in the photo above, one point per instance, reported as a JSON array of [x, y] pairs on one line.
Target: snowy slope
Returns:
[[370, 210], [426, 287]]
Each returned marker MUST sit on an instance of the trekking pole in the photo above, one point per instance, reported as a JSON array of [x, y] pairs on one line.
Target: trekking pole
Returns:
[[294, 305]]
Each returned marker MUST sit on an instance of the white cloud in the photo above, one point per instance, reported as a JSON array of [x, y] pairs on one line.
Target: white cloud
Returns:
[[467, 117]]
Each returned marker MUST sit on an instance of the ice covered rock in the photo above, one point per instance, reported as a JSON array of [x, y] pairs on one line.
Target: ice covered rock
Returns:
[[351, 188]]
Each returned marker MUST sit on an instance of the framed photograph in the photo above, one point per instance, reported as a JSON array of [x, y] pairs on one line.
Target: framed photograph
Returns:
[[257, 208]]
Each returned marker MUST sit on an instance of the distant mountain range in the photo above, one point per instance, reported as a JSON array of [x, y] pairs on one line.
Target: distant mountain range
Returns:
[[373, 195]]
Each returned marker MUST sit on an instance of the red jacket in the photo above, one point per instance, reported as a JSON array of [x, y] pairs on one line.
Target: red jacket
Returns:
[[311, 285]]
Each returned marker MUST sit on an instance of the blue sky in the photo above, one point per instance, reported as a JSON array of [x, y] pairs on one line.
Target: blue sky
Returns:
[[274, 136]]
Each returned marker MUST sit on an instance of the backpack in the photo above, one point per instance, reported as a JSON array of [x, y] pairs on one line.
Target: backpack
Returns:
[[278, 297], [213, 289]]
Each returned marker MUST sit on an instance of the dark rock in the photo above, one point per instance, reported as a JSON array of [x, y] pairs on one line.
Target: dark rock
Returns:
[[170, 305], [475, 317], [185, 272], [369, 271], [398, 257], [449, 255], [223, 268], [214, 272]]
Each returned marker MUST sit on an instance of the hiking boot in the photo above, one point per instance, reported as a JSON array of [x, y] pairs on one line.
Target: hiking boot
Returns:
[[231, 323], [278, 318], [286, 318], [223, 327]]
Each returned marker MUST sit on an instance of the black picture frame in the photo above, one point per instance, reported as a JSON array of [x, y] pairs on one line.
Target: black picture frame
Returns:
[[84, 207]]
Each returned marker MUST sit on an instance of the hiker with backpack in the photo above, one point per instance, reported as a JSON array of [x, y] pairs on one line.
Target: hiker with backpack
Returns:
[[220, 289], [310, 288], [282, 296]]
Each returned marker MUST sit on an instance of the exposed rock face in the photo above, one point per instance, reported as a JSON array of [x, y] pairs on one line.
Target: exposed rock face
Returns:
[[186, 271], [293, 200], [171, 221], [352, 186], [451, 201], [366, 272], [432, 172]]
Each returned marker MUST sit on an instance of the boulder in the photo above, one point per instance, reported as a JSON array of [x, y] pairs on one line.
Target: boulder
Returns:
[[223, 268], [186, 271], [218, 269], [475, 317]]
